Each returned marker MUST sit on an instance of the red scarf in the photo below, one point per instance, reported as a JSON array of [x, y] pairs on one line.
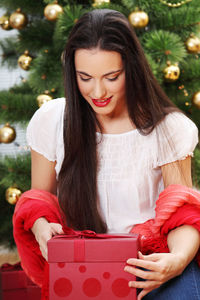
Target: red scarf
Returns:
[[177, 205]]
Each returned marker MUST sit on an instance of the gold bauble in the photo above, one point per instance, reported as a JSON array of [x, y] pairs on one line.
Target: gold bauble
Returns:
[[18, 20], [43, 98], [24, 61], [52, 11], [171, 72], [196, 99], [99, 2], [5, 23], [193, 44], [138, 19], [7, 134], [12, 195]]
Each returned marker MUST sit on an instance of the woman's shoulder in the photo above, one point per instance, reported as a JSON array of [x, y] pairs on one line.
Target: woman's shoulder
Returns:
[[50, 112], [178, 118], [177, 124], [177, 137], [55, 105], [45, 128]]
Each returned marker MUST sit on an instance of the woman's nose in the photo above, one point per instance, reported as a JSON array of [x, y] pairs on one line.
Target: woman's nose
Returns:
[[99, 91]]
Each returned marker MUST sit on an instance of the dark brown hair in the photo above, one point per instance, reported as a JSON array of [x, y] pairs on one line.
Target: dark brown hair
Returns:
[[147, 105]]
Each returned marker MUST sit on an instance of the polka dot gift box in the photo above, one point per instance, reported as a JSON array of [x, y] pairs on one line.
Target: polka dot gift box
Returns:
[[85, 265]]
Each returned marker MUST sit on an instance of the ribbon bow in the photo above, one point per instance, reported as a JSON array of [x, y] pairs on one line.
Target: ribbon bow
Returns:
[[84, 233]]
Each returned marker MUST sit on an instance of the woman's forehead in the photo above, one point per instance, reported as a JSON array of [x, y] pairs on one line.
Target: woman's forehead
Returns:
[[88, 60]]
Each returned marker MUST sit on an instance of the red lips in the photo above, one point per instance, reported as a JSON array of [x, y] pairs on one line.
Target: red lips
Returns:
[[101, 102]]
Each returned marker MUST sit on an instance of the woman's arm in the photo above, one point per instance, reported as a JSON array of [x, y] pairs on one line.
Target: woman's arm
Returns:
[[178, 172], [43, 174], [183, 241], [43, 177]]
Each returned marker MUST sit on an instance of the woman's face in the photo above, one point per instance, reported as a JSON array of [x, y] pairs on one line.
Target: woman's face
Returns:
[[101, 80]]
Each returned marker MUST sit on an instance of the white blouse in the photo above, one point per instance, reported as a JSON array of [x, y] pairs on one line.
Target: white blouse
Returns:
[[129, 177]]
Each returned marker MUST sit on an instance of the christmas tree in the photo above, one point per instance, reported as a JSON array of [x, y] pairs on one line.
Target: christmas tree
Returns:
[[169, 31]]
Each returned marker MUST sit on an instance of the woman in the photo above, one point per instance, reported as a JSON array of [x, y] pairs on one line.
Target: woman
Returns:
[[109, 150]]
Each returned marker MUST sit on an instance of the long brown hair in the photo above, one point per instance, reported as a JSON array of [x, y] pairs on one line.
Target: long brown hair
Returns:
[[147, 105]]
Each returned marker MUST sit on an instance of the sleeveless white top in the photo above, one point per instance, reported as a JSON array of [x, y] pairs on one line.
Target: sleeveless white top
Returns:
[[129, 177]]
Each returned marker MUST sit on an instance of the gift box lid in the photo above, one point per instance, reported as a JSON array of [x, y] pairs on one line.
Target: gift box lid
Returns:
[[100, 248]]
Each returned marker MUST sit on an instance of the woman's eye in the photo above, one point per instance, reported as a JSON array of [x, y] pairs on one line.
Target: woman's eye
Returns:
[[114, 78], [84, 79]]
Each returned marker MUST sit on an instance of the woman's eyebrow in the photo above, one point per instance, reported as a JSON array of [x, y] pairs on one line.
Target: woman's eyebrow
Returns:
[[107, 74]]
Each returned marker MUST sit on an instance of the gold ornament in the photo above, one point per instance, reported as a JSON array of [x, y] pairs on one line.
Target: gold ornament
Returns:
[[5, 23], [12, 195], [52, 11], [24, 61], [7, 134], [99, 2], [178, 4], [44, 77], [43, 98], [196, 99], [171, 72], [18, 20], [193, 44], [138, 19]]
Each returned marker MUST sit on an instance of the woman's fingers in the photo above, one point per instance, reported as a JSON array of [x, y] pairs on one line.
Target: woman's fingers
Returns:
[[56, 228], [146, 264], [142, 294], [148, 275], [47, 235], [43, 232], [147, 284]]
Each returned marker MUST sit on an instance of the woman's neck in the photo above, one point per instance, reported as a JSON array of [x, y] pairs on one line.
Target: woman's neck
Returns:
[[116, 125]]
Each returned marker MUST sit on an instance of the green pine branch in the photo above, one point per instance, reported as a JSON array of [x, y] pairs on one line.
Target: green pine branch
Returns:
[[27, 6], [10, 53], [16, 171], [17, 107], [46, 71], [36, 36], [164, 46]]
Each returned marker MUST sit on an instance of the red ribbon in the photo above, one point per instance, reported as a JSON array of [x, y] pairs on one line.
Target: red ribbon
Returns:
[[91, 234], [84, 233], [79, 243]]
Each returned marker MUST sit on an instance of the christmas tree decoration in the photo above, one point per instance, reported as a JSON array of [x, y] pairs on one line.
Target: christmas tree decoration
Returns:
[[18, 20], [12, 195], [43, 98], [196, 99], [100, 2], [178, 4], [7, 134], [171, 72], [139, 19], [52, 11], [44, 76], [193, 44], [24, 61], [5, 23]]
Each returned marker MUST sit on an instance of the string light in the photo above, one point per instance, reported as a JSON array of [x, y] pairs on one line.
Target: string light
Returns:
[[178, 4]]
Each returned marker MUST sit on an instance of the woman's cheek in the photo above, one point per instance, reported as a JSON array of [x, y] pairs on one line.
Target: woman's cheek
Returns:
[[84, 88]]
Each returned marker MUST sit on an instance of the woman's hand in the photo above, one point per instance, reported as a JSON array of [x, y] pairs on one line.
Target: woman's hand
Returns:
[[160, 267], [44, 231]]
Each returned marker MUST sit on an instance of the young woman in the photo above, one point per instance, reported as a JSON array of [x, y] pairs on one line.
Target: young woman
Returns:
[[109, 149]]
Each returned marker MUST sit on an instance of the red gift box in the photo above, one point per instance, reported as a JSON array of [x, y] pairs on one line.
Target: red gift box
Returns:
[[85, 265], [15, 285]]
